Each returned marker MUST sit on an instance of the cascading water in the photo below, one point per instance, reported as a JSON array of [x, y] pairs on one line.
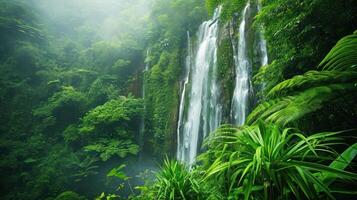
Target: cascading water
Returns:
[[262, 44], [142, 120], [147, 65], [204, 111], [183, 95], [242, 68]]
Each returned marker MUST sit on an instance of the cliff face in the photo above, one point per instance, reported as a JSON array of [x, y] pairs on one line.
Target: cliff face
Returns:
[[226, 70], [168, 49], [228, 51], [164, 79]]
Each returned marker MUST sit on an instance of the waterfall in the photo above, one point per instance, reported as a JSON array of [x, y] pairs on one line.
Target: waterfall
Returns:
[[147, 65], [204, 111], [142, 120], [242, 69], [188, 64], [262, 44]]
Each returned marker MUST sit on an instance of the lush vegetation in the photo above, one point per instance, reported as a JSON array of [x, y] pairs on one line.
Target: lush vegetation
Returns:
[[262, 161], [75, 123], [69, 101], [168, 28], [309, 85]]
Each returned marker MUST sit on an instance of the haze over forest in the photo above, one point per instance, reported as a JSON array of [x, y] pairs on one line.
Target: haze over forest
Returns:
[[178, 99]]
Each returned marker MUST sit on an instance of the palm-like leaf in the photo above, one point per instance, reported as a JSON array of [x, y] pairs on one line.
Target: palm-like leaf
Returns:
[[288, 109], [342, 56], [312, 90], [261, 160], [311, 79], [340, 163]]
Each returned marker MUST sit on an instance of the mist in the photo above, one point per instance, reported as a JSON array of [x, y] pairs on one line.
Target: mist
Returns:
[[103, 19], [177, 99]]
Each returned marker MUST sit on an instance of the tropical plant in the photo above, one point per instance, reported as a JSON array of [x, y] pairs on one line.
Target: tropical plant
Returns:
[[83, 167], [175, 181], [117, 111], [107, 148], [104, 196], [118, 173], [69, 195], [263, 161], [299, 35], [292, 99], [341, 163]]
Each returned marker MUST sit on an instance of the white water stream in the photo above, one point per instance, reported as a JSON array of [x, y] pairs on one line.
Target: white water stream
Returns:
[[243, 66], [204, 110], [200, 109], [242, 81]]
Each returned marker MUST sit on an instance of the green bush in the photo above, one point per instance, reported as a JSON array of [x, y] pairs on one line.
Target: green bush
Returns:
[[263, 161], [69, 195]]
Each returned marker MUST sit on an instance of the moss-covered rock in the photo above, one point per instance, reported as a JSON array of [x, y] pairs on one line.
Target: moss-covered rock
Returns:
[[225, 68]]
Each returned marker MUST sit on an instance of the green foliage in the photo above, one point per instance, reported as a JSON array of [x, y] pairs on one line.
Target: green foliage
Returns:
[[17, 23], [340, 163], [109, 148], [162, 92], [230, 8], [103, 196], [103, 54], [83, 168], [169, 23], [26, 59], [292, 99], [342, 55], [68, 99], [118, 173], [110, 124], [118, 110], [211, 5], [69, 195], [225, 73], [311, 79], [291, 108], [300, 33], [71, 133], [263, 160], [64, 75], [56, 67], [107, 128], [174, 181]]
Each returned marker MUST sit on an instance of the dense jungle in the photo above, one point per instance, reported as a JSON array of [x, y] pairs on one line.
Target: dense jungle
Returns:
[[178, 99]]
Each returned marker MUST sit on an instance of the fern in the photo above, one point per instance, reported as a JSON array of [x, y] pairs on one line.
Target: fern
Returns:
[[342, 56], [308, 101], [291, 108], [311, 79], [263, 110], [311, 91]]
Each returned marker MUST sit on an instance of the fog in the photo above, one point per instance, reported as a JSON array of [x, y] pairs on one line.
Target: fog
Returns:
[[102, 19]]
